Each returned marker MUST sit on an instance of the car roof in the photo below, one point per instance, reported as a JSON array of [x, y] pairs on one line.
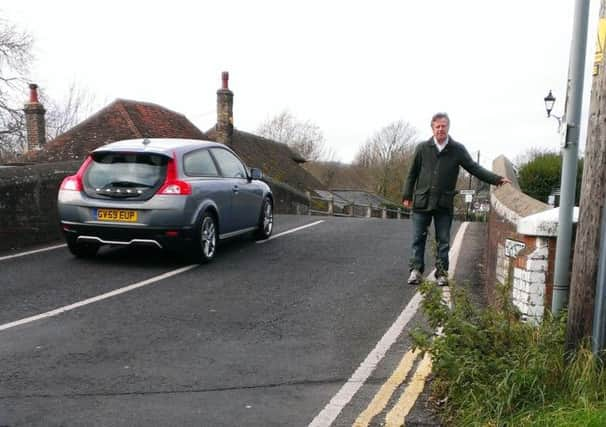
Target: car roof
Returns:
[[165, 146]]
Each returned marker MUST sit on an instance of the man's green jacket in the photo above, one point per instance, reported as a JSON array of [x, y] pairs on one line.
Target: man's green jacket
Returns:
[[433, 175]]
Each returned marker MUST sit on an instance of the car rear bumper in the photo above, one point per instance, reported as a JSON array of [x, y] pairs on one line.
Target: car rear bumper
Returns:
[[124, 235]]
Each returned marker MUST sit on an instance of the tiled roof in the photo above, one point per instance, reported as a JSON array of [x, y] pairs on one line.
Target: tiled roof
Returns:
[[122, 119], [274, 158]]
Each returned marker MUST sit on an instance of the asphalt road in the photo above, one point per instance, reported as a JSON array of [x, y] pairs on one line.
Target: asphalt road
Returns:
[[264, 335]]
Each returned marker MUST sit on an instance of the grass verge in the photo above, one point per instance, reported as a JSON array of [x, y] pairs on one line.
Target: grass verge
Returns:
[[491, 369]]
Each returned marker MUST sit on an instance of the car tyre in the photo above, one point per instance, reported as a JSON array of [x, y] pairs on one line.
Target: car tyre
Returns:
[[266, 220], [207, 238], [82, 250]]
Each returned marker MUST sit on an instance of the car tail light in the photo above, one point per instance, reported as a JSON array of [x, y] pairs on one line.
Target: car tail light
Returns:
[[172, 185], [74, 182]]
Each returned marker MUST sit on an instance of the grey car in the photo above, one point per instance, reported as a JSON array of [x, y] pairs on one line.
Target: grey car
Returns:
[[175, 194]]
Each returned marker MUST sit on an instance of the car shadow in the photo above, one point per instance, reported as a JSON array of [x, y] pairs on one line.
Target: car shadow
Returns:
[[150, 256]]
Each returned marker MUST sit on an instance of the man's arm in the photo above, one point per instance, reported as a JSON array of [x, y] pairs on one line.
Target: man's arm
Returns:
[[411, 179], [478, 171]]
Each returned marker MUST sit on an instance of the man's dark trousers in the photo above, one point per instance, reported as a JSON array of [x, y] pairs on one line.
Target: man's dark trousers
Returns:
[[442, 219]]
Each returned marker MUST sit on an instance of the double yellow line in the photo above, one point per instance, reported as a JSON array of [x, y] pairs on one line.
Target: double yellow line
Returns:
[[399, 411]]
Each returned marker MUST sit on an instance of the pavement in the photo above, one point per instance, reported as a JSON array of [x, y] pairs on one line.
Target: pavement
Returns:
[[469, 274]]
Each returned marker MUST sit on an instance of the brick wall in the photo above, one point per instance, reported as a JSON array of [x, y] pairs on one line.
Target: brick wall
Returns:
[[288, 200], [519, 254], [28, 203]]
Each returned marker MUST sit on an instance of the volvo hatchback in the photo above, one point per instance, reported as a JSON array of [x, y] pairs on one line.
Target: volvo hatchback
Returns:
[[176, 194]]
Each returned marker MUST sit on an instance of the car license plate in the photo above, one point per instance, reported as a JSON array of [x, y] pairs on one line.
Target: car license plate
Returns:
[[117, 215]]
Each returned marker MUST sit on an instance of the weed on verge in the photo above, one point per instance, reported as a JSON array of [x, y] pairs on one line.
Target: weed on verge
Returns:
[[490, 368]]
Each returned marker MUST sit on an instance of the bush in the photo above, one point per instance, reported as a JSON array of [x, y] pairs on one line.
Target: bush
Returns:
[[540, 175], [492, 369]]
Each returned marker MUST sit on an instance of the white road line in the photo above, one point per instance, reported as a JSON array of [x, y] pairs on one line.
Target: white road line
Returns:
[[332, 410], [50, 248], [115, 292], [101, 297], [359, 377], [292, 230]]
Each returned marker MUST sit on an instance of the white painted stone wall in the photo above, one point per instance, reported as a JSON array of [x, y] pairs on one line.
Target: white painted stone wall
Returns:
[[529, 283], [503, 263]]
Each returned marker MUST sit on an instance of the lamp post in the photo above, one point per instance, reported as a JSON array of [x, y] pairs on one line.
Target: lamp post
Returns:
[[570, 147], [549, 102]]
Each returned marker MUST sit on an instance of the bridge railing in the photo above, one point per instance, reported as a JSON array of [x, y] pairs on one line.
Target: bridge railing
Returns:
[[327, 206]]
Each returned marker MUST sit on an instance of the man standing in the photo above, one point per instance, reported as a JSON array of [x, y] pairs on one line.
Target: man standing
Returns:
[[430, 190]]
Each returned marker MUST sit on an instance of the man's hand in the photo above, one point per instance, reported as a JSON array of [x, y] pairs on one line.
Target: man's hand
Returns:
[[503, 181], [407, 203]]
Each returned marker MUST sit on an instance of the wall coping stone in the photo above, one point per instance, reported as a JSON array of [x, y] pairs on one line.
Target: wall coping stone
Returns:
[[544, 224], [508, 200]]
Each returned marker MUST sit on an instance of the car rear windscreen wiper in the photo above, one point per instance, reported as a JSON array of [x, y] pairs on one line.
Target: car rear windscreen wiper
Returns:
[[128, 184]]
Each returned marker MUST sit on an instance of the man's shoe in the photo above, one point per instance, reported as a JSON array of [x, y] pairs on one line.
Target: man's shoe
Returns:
[[442, 281], [415, 277]]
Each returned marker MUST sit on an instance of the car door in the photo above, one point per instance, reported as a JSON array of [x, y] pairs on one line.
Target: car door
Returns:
[[207, 184], [246, 195]]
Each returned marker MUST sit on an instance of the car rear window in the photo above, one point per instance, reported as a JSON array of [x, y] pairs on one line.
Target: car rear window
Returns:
[[199, 163], [137, 172], [230, 166]]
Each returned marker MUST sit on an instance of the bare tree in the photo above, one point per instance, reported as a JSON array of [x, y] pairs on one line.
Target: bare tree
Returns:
[[15, 59], [63, 115], [387, 156], [304, 136], [340, 175]]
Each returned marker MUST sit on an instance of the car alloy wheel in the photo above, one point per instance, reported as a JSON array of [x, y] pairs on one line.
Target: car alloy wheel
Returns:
[[208, 237], [266, 220]]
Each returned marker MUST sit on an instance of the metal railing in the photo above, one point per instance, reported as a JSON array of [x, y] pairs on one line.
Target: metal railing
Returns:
[[323, 206]]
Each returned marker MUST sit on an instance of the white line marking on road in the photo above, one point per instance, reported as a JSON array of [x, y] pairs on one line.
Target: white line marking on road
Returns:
[[332, 410], [292, 230], [456, 248], [88, 301], [50, 248], [115, 292]]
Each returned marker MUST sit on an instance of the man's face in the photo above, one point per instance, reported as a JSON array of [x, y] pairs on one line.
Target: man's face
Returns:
[[440, 129]]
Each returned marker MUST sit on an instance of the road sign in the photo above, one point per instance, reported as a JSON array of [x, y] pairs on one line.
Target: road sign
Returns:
[[468, 198], [466, 192]]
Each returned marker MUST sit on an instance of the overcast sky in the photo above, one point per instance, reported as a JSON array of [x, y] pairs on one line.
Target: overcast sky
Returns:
[[351, 67]]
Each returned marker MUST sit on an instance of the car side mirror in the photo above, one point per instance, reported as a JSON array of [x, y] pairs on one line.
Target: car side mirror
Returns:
[[256, 173]]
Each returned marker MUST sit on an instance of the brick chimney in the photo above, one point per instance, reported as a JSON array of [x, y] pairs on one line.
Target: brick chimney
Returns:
[[225, 115], [35, 124]]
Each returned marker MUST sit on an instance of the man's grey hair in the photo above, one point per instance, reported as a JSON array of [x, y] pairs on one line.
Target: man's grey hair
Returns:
[[439, 116]]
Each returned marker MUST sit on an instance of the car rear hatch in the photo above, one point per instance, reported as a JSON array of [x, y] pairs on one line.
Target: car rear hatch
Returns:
[[132, 176]]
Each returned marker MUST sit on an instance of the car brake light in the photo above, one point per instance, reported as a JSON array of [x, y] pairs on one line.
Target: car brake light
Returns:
[[74, 182], [172, 185]]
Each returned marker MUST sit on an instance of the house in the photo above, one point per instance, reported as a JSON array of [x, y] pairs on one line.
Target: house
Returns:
[[127, 119]]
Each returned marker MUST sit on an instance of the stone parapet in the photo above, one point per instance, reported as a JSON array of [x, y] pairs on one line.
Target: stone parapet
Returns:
[[521, 245]]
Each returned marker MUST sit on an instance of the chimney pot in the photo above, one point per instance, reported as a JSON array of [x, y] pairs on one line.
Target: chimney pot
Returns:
[[225, 78], [33, 93]]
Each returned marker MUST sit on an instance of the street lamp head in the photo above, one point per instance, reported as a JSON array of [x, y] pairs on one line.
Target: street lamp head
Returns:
[[549, 101]]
